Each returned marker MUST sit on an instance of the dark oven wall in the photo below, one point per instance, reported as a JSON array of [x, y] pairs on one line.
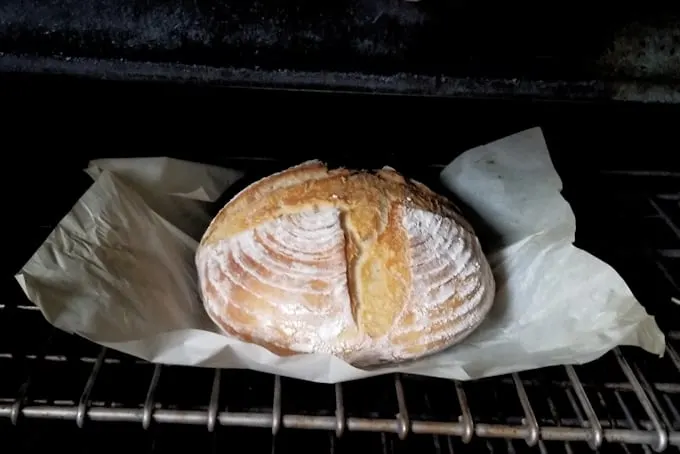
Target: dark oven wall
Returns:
[[456, 48], [74, 120]]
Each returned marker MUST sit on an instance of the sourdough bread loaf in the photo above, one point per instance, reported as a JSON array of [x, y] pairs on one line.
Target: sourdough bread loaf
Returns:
[[367, 266]]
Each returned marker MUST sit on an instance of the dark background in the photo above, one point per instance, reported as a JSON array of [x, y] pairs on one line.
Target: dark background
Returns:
[[459, 48]]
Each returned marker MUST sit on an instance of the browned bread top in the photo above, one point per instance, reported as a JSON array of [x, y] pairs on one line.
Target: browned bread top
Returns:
[[370, 267]]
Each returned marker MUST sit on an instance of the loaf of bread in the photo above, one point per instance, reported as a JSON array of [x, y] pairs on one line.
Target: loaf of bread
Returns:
[[367, 266]]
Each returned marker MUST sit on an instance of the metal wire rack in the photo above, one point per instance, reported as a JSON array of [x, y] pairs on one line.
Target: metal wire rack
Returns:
[[627, 401]]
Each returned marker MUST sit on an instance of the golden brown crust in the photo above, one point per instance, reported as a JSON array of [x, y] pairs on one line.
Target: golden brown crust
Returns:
[[311, 184], [385, 319]]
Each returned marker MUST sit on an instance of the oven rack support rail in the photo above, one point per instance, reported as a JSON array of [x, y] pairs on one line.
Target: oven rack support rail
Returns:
[[657, 430]]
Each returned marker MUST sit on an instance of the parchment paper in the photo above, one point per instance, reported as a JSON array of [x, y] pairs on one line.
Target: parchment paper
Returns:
[[119, 270]]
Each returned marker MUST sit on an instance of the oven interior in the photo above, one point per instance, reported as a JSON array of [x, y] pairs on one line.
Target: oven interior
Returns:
[[58, 391]]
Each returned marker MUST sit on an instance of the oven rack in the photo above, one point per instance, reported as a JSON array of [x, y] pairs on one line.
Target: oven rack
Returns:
[[627, 401], [650, 414]]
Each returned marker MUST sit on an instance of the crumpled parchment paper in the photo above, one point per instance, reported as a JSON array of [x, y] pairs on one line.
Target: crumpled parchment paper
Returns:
[[119, 271]]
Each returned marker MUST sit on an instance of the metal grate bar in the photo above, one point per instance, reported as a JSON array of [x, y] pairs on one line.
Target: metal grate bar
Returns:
[[649, 391], [667, 219], [194, 417], [213, 408], [591, 429], [629, 417], [276, 406], [676, 231], [557, 418], [597, 435], [147, 413], [403, 424], [339, 411], [662, 437], [81, 413], [15, 410], [467, 424], [531, 425], [673, 355]]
